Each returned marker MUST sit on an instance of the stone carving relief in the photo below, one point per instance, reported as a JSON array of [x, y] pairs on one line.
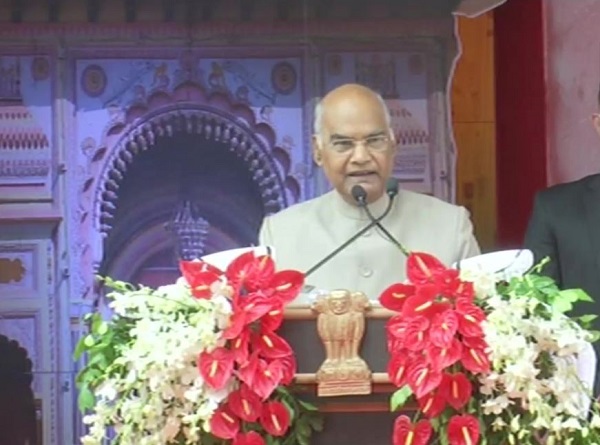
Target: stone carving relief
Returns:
[[17, 270], [24, 144]]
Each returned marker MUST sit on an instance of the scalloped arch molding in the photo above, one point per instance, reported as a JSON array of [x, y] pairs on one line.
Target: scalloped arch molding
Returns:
[[189, 110]]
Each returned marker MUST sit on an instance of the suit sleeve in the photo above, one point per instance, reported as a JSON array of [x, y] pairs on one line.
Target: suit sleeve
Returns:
[[265, 236], [540, 239], [469, 247]]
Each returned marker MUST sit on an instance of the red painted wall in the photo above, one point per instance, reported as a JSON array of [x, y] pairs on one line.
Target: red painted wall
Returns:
[[520, 114]]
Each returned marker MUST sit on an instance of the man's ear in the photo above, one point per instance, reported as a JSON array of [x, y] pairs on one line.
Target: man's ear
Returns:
[[596, 122], [317, 152]]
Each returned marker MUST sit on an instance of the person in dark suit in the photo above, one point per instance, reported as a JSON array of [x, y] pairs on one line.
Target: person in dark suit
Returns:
[[565, 226]]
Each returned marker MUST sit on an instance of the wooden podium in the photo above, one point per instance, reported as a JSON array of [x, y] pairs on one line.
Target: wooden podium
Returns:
[[363, 419]]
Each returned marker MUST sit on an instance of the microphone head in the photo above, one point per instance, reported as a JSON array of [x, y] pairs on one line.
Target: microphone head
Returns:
[[391, 187], [359, 194]]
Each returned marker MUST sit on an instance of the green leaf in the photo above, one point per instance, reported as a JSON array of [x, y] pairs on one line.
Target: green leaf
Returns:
[[444, 437], [561, 305], [595, 336], [574, 295], [89, 341], [400, 397], [79, 349], [303, 440], [317, 423], [307, 406], [303, 428], [289, 408], [98, 359], [102, 328], [587, 319], [85, 399]]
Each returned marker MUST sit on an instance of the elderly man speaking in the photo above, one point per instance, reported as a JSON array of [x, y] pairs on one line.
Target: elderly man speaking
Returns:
[[355, 146]]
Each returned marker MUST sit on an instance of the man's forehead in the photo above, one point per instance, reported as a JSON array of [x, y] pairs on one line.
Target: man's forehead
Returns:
[[345, 121]]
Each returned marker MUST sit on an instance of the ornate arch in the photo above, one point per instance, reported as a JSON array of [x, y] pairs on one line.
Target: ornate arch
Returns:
[[189, 110], [17, 398]]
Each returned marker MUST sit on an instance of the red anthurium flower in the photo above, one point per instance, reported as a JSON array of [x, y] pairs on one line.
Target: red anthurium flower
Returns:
[[249, 272], [275, 418], [463, 430], [398, 369], [247, 310], [224, 424], [249, 438], [422, 304], [421, 378], [288, 369], [200, 284], [190, 268], [395, 327], [393, 297], [199, 275], [423, 268], [239, 347], [432, 404], [272, 319], [464, 291], [256, 305], [245, 404], [443, 328], [286, 285], [416, 337], [405, 433], [457, 389], [266, 378], [441, 358], [248, 370], [216, 367], [469, 319], [474, 355], [447, 281], [270, 345]]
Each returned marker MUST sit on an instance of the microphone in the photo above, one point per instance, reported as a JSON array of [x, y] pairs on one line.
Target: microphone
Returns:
[[360, 196], [391, 191]]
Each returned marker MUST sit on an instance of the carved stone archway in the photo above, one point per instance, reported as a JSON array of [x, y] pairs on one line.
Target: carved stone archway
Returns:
[[209, 123], [188, 108]]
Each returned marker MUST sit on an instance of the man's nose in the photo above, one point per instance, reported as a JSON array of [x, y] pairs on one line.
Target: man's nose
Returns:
[[360, 154]]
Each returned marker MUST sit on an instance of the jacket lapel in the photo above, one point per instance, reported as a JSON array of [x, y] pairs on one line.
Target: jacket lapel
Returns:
[[591, 201]]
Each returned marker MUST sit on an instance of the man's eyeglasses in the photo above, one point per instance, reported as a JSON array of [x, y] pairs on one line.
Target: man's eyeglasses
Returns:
[[374, 144]]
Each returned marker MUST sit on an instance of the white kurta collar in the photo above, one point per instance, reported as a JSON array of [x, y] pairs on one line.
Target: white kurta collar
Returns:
[[341, 206]]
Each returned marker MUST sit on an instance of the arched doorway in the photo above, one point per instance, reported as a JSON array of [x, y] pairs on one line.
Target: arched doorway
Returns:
[[183, 174], [18, 423]]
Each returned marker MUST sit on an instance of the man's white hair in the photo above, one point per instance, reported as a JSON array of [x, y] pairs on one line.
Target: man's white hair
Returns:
[[320, 109]]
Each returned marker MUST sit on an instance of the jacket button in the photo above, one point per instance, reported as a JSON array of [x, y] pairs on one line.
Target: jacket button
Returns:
[[366, 272]]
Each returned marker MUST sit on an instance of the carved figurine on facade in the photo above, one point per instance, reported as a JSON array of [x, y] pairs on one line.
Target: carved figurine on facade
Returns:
[[341, 327]]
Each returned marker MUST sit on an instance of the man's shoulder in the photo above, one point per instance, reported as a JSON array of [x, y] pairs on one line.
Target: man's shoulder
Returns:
[[431, 203], [567, 190], [298, 211]]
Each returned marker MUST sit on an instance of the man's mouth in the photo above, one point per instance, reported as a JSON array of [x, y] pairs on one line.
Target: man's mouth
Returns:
[[362, 174]]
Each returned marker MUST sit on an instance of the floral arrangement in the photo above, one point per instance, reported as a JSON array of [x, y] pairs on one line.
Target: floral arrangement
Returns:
[[487, 359], [198, 361]]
